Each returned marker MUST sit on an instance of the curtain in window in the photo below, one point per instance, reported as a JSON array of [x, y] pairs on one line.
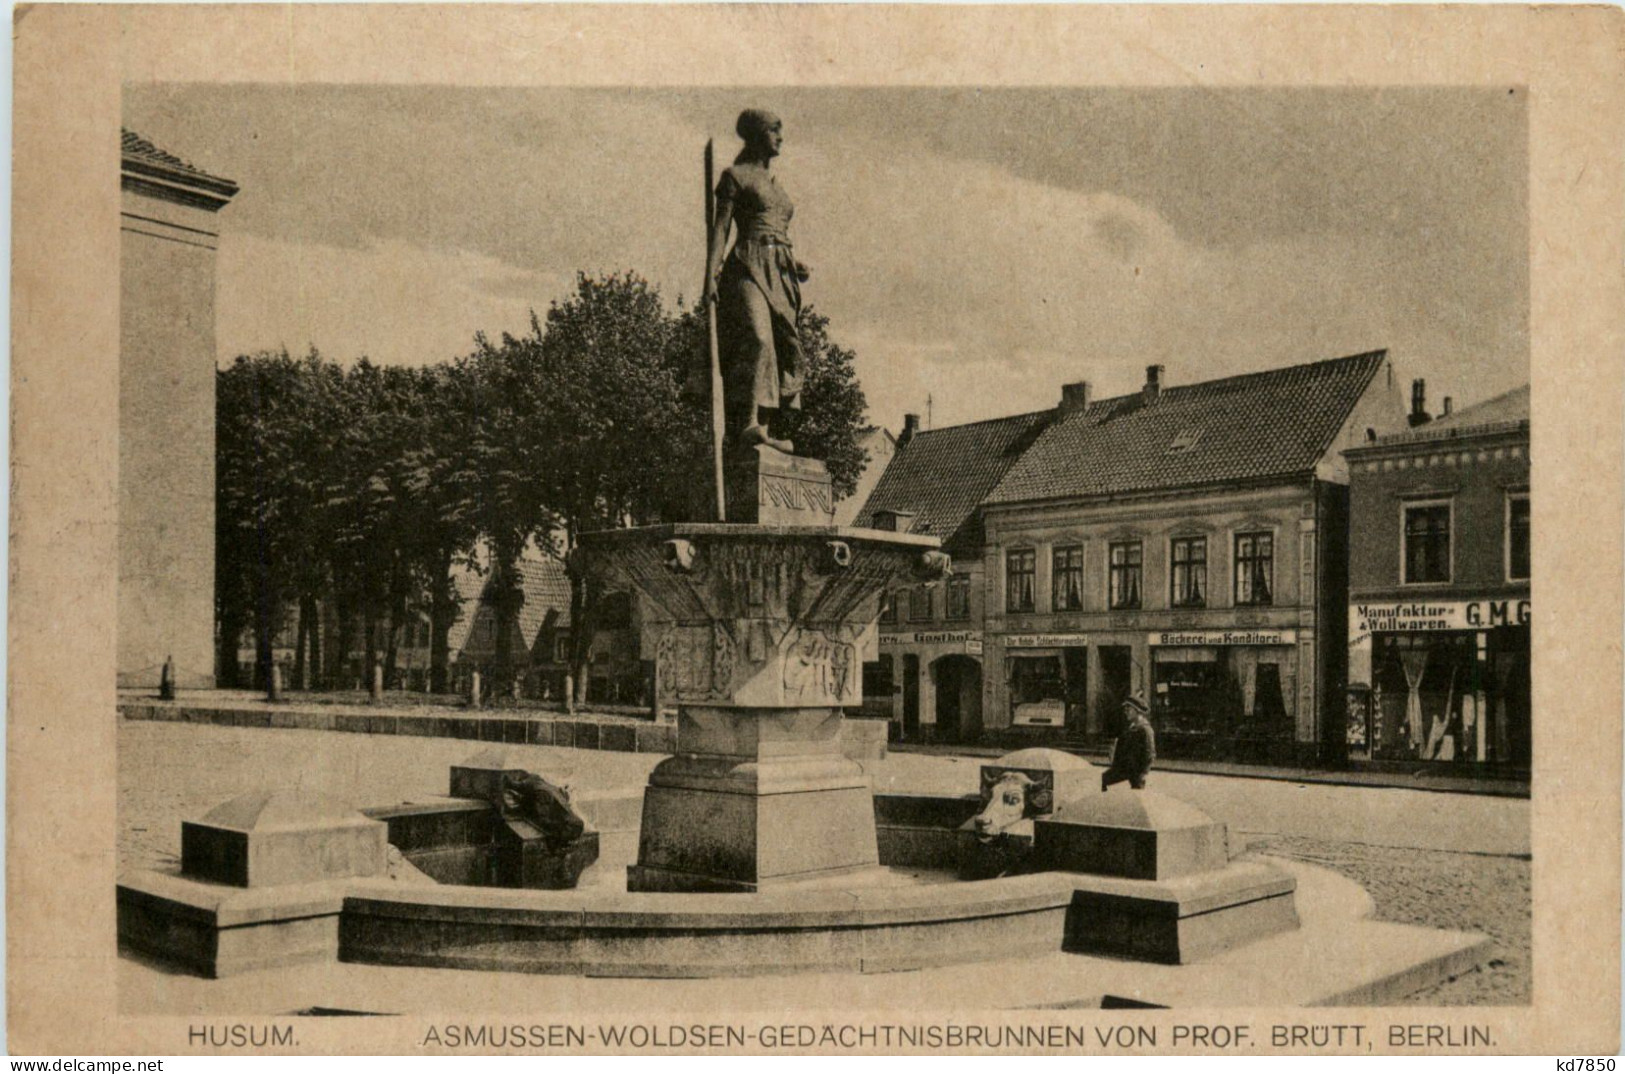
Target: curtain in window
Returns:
[[1414, 662]]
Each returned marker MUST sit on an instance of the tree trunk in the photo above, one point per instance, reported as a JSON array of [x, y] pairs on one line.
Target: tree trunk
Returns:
[[299, 645], [442, 612], [231, 636], [369, 629], [265, 617], [503, 590], [314, 662], [580, 635]]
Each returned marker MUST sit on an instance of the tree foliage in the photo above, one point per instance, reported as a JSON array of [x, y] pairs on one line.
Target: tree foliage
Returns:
[[353, 493]]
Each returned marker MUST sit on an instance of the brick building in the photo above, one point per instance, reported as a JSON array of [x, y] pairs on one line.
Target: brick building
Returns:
[[169, 235], [1439, 600]]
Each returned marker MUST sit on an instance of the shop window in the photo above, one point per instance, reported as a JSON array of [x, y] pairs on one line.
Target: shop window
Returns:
[[1187, 583], [1429, 699], [1037, 691], [1019, 580], [1067, 578], [1427, 543], [1125, 560], [1255, 568], [959, 597], [919, 603], [1518, 538]]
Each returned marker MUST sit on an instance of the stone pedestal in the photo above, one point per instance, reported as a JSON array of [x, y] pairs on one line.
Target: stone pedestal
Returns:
[[266, 838], [752, 801], [760, 645], [1155, 881], [767, 487]]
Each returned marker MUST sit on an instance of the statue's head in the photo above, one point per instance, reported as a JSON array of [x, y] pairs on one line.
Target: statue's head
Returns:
[[761, 131]]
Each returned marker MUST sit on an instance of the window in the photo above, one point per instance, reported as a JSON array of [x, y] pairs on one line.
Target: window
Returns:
[[959, 597], [1020, 567], [888, 607], [919, 603], [1518, 538], [1067, 579], [1255, 568], [1427, 543], [1187, 581], [1124, 584]]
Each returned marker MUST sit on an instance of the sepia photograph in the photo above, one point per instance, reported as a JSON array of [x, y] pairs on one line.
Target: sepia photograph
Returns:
[[977, 566]]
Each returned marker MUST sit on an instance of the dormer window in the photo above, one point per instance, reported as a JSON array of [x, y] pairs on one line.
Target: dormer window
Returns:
[[1186, 440]]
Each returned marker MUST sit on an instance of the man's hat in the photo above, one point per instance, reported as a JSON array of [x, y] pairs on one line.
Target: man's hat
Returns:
[[1136, 702]]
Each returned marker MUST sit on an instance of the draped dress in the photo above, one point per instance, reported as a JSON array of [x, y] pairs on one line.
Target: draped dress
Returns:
[[762, 365]]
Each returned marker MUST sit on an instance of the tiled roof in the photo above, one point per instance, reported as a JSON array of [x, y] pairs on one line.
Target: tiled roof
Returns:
[[1509, 406], [140, 151], [546, 587], [1508, 412], [1259, 425], [941, 475]]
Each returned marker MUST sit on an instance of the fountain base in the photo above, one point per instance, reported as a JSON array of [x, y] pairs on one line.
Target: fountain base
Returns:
[[754, 799]]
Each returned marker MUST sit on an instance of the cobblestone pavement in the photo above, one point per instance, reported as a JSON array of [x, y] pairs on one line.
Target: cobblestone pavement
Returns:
[[170, 772], [1439, 889]]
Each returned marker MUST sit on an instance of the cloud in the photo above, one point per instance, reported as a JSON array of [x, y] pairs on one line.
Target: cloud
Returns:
[[392, 301], [397, 221]]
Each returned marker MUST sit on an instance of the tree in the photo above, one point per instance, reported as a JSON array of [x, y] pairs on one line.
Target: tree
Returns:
[[614, 434], [832, 405], [274, 418]]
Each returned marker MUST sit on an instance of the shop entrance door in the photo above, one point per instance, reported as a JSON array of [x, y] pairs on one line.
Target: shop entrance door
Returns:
[[911, 697], [1116, 684], [1074, 671], [959, 698]]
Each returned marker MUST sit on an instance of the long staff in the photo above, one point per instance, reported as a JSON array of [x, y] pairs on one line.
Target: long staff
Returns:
[[711, 340]]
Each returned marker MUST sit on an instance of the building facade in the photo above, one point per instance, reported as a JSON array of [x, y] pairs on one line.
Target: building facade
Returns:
[[169, 234], [1184, 543], [926, 673], [1439, 602]]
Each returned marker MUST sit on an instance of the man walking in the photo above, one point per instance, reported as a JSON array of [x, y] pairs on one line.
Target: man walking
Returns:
[[1135, 749]]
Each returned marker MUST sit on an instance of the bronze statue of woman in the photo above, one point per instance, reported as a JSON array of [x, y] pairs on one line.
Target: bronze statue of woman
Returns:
[[756, 286]]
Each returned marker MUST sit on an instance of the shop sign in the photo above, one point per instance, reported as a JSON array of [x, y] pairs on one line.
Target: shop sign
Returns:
[[1045, 641], [968, 641], [1417, 616], [1223, 637]]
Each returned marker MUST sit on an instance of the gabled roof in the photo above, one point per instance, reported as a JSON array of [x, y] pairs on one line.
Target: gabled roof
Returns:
[[941, 475], [1278, 423], [141, 158], [546, 587]]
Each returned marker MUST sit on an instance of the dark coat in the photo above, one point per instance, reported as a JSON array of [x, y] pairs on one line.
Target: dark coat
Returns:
[[1135, 751]]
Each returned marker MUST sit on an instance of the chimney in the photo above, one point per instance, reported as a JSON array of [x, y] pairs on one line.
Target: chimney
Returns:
[[1153, 384], [911, 425], [1075, 397], [1419, 410], [894, 521], [1446, 412]]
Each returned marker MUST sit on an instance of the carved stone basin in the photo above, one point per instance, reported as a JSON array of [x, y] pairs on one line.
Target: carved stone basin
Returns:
[[759, 641]]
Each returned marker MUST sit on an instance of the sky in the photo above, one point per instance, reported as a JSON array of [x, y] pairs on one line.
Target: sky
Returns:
[[975, 248]]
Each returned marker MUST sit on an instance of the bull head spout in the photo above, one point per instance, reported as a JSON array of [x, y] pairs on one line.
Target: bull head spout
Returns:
[[1007, 804]]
